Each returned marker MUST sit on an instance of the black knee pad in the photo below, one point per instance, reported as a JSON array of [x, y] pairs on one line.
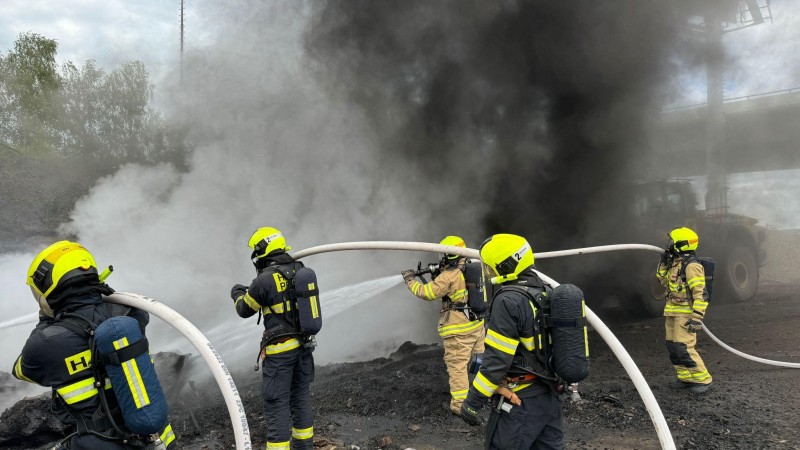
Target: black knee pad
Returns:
[[673, 354], [682, 357]]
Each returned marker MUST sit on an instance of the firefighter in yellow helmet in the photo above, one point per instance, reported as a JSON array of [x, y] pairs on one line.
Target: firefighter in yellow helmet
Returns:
[[687, 299], [461, 331], [65, 282], [288, 364], [526, 412]]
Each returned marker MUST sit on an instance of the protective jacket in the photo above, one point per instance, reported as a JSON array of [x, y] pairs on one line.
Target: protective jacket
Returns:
[[267, 294], [684, 298], [58, 357], [288, 366], [450, 286], [511, 337]]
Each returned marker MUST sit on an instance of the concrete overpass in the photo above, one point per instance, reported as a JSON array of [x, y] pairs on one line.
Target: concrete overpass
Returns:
[[761, 133]]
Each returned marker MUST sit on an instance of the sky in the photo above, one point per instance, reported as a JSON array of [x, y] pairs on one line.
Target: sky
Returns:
[[762, 58]]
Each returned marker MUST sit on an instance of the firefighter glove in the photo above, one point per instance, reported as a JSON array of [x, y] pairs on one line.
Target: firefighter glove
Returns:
[[237, 291], [665, 258], [470, 408], [408, 275], [693, 325]]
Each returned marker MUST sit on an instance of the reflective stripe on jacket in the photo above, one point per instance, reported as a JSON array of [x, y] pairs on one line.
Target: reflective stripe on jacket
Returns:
[[511, 328], [679, 303], [450, 283], [267, 293]]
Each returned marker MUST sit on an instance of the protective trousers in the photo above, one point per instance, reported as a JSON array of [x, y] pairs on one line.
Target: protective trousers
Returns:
[[534, 425], [681, 345], [457, 352], [287, 399]]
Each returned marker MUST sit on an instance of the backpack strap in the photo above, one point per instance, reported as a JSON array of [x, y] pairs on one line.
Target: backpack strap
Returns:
[[117, 357], [85, 328], [580, 322], [288, 271], [682, 273], [535, 362], [78, 324]]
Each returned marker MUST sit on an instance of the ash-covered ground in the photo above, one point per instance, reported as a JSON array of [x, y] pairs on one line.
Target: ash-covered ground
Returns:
[[395, 402]]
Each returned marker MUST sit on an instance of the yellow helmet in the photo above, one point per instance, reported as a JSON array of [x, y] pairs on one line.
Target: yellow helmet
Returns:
[[684, 239], [59, 263], [455, 241], [266, 240], [507, 255]]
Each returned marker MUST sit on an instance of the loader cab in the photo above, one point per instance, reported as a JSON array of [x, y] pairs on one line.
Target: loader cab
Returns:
[[660, 199], [663, 205]]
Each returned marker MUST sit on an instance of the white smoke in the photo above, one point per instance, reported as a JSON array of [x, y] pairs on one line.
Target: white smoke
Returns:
[[17, 302], [271, 150]]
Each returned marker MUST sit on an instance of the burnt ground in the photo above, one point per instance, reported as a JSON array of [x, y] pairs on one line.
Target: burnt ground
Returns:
[[395, 402]]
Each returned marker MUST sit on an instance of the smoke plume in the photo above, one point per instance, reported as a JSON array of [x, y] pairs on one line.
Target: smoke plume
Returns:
[[522, 116], [271, 149]]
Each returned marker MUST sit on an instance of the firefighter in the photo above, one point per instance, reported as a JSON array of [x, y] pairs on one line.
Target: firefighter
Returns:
[[460, 330], [687, 300], [288, 364], [526, 410], [66, 284]]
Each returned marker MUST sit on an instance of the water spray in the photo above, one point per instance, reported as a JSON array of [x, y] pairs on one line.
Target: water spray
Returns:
[[27, 318]]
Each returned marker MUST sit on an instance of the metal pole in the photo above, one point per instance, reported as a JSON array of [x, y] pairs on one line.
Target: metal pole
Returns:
[[181, 41], [716, 187]]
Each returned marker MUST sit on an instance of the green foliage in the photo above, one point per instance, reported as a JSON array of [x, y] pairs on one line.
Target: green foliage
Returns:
[[29, 88], [80, 111]]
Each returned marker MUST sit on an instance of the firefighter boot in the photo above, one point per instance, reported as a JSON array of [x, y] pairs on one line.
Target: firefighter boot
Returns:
[[700, 388]]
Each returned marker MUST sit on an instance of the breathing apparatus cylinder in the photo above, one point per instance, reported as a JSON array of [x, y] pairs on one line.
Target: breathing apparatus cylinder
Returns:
[[309, 313], [124, 353], [474, 366], [568, 328], [476, 292]]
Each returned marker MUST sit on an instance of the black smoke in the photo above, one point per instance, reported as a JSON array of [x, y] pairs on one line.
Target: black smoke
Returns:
[[521, 116]]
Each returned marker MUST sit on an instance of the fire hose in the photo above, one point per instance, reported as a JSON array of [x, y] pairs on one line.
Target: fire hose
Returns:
[[231, 395], [660, 423], [221, 374], [652, 248]]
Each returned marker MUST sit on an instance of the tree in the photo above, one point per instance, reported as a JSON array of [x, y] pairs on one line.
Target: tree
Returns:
[[81, 111], [29, 85]]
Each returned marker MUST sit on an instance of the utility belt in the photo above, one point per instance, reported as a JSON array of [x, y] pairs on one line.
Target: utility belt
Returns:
[[454, 307], [103, 428], [281, 340], [275, 337], [520, 379]]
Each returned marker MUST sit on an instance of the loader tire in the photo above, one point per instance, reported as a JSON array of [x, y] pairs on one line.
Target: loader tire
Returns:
[[740, 276]]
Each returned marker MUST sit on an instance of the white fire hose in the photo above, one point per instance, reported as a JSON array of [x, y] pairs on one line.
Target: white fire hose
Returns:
[[231, 394], [652, 248], [224, 380], [660, 423]]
